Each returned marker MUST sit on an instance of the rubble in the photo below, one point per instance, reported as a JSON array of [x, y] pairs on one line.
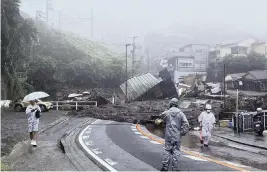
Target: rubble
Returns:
[[135, 112]]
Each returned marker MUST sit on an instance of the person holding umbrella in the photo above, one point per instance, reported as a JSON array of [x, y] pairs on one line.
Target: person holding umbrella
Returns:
[[33, 112]]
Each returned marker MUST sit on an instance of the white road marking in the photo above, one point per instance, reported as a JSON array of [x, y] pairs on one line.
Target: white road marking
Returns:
[[134, 129], [88, 132], [110, 168], [194, 158], [137, 133], [89, 143], [110, 161], [85, 137], [97, 151], [154, 142], [144, 137]]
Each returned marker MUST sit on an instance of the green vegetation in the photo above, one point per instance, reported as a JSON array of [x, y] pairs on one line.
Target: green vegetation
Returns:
[[236, 65], [52, 59]]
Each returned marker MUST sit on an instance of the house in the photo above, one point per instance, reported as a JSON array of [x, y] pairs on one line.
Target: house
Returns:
[[235, 48], [256, 80], [234, 81], [200, 53], [251, 81], [260, 48], [182, 64]]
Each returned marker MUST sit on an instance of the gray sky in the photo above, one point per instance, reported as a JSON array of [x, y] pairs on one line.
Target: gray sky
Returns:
[[138, 17]]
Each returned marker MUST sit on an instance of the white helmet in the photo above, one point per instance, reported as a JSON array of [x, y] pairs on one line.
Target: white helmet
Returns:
[[208, 107], [259, 109]]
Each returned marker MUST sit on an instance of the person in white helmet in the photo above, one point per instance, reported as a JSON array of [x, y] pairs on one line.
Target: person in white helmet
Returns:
[[207, 121], [176, 127]]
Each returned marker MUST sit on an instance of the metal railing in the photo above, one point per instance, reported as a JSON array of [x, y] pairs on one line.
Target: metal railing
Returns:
[[244, 121], [73, 104]]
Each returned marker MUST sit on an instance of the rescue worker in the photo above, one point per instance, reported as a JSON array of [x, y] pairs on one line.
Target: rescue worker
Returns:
[[33, 120], [176, 127], [207, 121]]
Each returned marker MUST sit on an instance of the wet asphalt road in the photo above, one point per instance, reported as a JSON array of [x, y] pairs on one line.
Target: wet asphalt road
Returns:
[[127, 150]]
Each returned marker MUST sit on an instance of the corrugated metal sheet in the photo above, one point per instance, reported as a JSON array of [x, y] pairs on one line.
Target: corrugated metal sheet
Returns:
[[139, 85]]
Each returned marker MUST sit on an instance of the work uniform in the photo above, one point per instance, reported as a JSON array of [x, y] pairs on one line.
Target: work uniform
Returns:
[[33, 122], [176, 126], [207, 120]]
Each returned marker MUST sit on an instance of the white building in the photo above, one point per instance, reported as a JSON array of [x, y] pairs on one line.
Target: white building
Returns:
[[200, 53], [237, 48], [182, 64]]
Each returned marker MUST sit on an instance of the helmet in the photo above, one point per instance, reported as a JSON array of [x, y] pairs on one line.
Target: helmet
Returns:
[[174, 101], [259, 109], [208, 107]]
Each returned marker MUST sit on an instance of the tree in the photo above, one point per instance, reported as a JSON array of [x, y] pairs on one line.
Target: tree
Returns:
[[235, 65], [17, 37]]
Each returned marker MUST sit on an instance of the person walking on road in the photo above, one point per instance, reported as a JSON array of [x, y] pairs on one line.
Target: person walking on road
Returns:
[[33, 111], [176, 126], [207, 121]]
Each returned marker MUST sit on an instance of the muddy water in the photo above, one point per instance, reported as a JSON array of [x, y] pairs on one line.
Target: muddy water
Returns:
[[190, 141]]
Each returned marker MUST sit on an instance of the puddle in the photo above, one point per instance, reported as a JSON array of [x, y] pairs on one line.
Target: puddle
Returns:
[[189, 141]]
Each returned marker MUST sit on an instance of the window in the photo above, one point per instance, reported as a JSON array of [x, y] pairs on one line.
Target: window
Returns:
[[185, 65]]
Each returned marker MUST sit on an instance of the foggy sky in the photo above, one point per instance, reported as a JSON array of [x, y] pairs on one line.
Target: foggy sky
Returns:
[[139, 17]]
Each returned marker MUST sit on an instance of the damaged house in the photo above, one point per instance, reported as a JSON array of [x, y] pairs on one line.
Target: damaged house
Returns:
[[148, 87], [251, 81]]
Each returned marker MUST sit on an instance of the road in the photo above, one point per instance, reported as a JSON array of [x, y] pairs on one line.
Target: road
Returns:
[[124, 148]]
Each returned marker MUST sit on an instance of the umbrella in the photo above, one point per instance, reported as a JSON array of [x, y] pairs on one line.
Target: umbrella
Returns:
[[74, 95], [35, 95]]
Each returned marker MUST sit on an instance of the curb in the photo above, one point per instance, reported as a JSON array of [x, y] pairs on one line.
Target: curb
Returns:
[[94, 158], [236, 141], [71, 150], [57, 122]]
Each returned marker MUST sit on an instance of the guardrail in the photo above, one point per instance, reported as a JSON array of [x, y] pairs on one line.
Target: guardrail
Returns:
[[244, 122], [76, 104]]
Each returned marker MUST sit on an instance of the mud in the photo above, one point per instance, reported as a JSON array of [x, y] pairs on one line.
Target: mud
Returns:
[[135, 112], [221, 149], [14, 127]]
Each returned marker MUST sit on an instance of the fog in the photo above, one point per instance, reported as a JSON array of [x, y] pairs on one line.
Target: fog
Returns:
[[198, 21]]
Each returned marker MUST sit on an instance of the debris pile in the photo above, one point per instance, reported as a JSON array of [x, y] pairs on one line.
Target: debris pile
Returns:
[[135, 112]]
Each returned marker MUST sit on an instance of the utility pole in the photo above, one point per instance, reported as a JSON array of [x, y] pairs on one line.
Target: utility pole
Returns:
[[148, 60], [59, 19], [133, 54], [224, 84], [126, 72], [48, 6], [92, 22]]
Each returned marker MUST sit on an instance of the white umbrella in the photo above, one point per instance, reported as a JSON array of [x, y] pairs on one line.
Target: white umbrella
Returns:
[[35, 95], [74, 95]]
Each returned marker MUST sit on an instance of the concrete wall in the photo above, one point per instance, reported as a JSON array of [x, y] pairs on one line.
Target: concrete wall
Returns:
[[260, 48]]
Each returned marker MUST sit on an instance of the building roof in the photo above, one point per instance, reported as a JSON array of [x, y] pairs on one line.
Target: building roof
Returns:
[[256, 75], [180, 54], [234, 76], [139, 85]]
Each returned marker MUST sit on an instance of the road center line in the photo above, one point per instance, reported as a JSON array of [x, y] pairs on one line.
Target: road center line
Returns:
[[161, 141]]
